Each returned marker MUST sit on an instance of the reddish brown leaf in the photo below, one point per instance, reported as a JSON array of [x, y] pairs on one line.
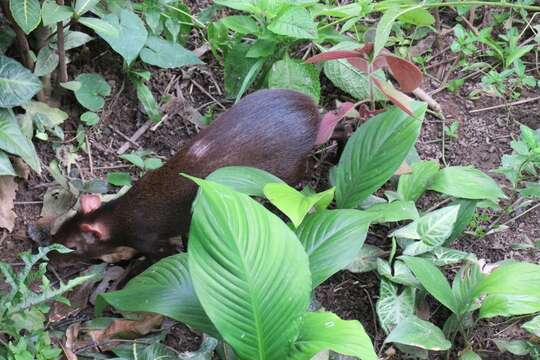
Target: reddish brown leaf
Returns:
[[406, 73], [359, 63], [330, 120], [333, 55], [404, 168], [395, 96]]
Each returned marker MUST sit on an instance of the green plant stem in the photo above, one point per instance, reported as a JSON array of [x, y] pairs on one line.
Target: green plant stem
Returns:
[[193, 18]]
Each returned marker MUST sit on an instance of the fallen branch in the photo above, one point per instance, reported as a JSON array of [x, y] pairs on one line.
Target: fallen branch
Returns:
[[519, 102]]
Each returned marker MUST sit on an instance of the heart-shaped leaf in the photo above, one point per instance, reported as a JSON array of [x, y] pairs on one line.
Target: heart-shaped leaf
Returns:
[[51, 12], [332, 239], [374, 153], [247, 180], [165, 288], [27, 14], [249, 271], [17, 83], [92, 90], [46, 62], [392, 308], [131, 35], [326, 331]]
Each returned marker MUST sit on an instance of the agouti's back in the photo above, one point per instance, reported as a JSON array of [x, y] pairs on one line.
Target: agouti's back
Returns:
[[273, 130]]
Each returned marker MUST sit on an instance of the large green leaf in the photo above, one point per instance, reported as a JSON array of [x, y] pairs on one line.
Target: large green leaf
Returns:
[[295, 75], [533, 326], [348, 78], [249, 271], [91, 91], [417, 332], [27, 14], [394, 211], [132, 34], [332, 239], [509, 305], [392, 308], [244, 179], [295, 22], [51, 12], [167, 54], [374, 152], [466, 182], [13, 141], [293, 203], [326, 331], [433, 280], [164, 288], [17, 83], [512, 279], [412, 186]]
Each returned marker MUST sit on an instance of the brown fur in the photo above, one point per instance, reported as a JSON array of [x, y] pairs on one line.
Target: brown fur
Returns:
[[273, 130]]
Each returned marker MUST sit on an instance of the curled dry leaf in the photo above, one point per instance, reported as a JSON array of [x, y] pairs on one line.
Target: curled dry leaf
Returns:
[[112, 275], [127, 329], [8, 190], [406, 73], [21, 168], [69, 346]]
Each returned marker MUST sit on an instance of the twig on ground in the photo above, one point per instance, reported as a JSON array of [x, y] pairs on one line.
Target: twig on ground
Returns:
[[207, 94], [520, 215], [432, 103], [127, 138], [135, 137], [37, 202], [519, 102], [90, 161]]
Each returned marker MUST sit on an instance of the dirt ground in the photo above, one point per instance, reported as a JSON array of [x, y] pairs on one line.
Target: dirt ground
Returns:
[[483, 138]]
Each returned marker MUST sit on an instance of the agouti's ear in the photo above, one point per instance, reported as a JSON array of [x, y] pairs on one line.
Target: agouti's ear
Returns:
[[89, 203], [94, 229]]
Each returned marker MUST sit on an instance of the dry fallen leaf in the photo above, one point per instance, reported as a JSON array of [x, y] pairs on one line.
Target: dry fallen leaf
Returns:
[[112, 274], [71, 338], [21, 168], [8, 190], [404, 168], [127, 329]]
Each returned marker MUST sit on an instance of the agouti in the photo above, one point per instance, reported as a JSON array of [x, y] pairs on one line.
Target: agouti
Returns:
[[273, 130]]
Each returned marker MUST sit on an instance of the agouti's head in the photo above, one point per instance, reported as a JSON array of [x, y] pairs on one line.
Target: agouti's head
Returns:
[[87, 233]]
